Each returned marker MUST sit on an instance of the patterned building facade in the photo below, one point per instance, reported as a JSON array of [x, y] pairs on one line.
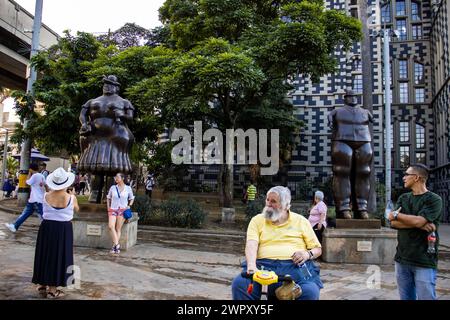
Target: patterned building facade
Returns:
[[440, 86], [415, 99], [419, 59]]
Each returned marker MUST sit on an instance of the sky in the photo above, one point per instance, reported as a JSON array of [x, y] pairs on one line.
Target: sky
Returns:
[[95, 16]]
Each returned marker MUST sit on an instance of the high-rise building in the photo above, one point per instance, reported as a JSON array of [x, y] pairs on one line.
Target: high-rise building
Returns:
[[419, 88]]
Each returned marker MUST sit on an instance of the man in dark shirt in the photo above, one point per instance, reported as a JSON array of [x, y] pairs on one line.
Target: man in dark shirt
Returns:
[[417, 215]]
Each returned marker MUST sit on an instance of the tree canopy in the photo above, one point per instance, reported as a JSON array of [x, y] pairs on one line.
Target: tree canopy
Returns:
[[228, 63]]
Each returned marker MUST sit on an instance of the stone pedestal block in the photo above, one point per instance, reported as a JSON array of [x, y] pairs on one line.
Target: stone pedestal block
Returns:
[[359, 246], [358, 223], [228, 215], [91, 230]]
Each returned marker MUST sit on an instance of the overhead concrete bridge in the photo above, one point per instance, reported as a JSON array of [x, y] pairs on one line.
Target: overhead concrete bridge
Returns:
[[16, 24]]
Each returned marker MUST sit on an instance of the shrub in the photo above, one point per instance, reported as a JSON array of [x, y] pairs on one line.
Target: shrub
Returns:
[[253, 208], [143, 207], [185, 214]]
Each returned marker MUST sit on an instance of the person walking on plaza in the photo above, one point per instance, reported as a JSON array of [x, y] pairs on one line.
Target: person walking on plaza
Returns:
[[281, 241], [251, 192], [120, 198], [417, 214], [37, 183], [318, 215], [149, 184], [53, 257]]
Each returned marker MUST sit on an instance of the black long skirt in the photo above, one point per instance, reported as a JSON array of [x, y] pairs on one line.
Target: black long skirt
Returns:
[[53, 259]]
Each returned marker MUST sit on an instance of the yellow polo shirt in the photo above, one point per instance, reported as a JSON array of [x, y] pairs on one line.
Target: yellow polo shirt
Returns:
[[280, 242]]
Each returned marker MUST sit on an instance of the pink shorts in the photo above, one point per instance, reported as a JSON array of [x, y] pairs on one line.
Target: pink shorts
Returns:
[[115, 212]]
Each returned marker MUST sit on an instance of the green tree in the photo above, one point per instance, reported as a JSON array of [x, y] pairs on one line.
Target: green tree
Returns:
[[71, 74], [237, 59]]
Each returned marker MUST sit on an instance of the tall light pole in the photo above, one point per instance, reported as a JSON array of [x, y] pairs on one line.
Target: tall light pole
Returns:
[[366, 68], [386, 33], [387, 110], [22, 195]]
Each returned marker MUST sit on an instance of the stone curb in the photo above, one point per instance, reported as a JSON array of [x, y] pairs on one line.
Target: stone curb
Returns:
[[202, 231], [9, 210]]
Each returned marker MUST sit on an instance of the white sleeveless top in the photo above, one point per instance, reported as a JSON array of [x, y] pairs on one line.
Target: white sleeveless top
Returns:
[[55, 214]]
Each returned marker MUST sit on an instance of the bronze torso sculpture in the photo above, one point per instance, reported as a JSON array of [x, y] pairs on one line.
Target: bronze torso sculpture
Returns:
[[351, 157], [105, 138]]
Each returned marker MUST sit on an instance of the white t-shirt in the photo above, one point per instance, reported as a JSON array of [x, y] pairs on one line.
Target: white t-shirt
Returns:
[[122, 201], [37, 183]]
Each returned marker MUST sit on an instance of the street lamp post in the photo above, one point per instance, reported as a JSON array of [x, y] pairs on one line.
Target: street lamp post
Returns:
[[386, 34], [387, 111], [22, 195]]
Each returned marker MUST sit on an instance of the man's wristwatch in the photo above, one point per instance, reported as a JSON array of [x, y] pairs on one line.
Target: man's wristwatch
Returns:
[[311, 255]]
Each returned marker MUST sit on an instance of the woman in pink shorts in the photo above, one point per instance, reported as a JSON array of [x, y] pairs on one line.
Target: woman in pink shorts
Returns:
[[120, 197]]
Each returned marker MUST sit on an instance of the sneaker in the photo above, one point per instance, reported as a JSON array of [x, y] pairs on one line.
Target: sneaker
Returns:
[[11, 227], [117, 248], [113, 249]]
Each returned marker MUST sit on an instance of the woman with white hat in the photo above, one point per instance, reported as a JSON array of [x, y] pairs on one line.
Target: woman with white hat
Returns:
[[54, 244]]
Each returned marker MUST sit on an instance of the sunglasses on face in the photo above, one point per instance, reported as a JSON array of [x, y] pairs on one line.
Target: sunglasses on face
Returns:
[[409, 174]]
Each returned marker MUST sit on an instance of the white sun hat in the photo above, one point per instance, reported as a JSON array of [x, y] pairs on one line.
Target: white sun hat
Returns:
[[60, 179]]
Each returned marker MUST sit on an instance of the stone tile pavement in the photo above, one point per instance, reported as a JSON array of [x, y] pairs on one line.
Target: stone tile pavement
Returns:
[[168, 264]]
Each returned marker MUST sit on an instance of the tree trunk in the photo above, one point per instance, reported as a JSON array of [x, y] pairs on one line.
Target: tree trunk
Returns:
[[220, 188], [228, 184]]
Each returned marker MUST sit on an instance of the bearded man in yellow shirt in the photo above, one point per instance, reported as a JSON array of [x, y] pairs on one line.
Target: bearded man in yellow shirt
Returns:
[[282, 241]]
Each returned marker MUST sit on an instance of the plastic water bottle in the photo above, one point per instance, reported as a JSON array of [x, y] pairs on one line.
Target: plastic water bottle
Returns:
[[432, 243], [389, 209], [304, 271]]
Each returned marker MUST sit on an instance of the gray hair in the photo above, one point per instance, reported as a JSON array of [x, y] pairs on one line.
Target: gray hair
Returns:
[[319, 194], [284, 194]]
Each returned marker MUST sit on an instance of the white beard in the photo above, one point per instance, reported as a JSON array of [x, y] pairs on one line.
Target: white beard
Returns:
[[271, 214]]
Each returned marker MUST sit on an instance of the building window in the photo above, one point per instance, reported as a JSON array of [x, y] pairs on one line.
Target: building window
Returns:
[[418, 73], [404, 156], [415, 11], [354, 12], [420, 136], [357, 83], [403, 92], [400, 8], [404, 131], [357, 65], [401, 29], [386, 13], [403, 69], [420, 95], [416, 31], [420, 157]]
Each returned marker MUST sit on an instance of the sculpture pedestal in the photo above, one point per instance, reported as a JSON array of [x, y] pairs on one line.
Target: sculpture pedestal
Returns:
[[228, 215], [90, 229], [359, 246]]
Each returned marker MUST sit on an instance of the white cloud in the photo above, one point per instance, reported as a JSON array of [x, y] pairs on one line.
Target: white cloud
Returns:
[[96, 16]]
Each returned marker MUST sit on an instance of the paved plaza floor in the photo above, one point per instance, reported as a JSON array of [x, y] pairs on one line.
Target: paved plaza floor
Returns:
[[181, 264]]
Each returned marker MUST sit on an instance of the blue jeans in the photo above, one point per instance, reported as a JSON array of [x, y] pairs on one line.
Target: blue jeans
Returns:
[[415, 282], [28, 211], [310, 285]]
